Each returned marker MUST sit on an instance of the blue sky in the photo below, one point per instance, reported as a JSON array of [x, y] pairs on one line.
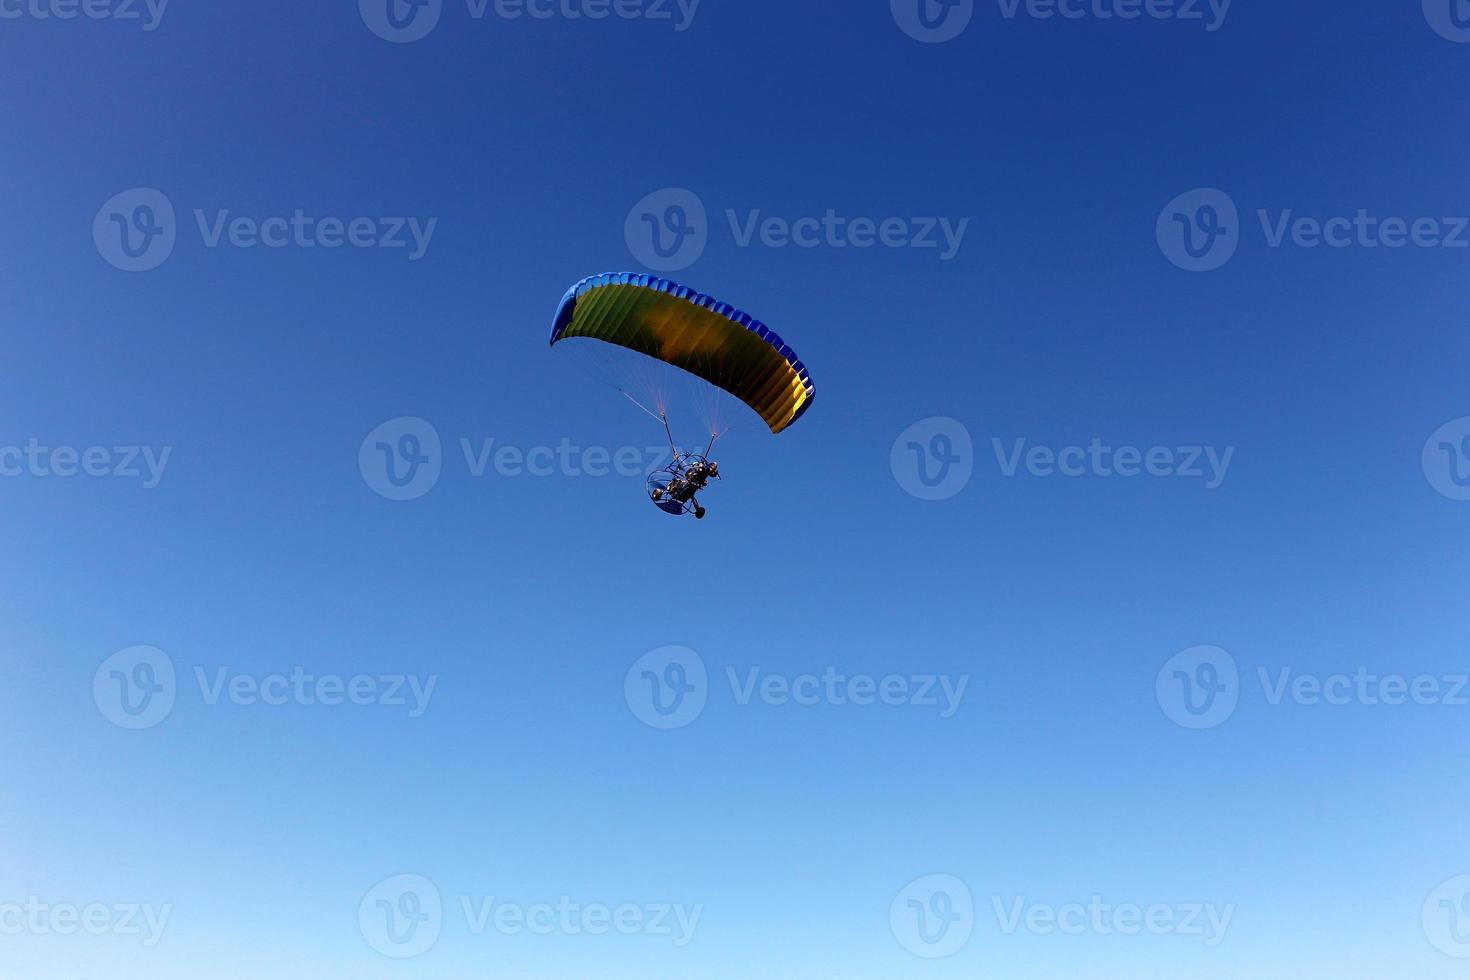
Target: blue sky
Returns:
[[226, 524]]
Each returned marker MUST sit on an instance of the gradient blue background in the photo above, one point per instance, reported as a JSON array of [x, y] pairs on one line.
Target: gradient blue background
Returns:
[[529, 778]]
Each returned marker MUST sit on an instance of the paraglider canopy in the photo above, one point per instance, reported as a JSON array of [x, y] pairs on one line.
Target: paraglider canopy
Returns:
[[687, 330], [662, 344]]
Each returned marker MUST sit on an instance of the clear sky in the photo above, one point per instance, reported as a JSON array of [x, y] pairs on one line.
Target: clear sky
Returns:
[[1121, 282]]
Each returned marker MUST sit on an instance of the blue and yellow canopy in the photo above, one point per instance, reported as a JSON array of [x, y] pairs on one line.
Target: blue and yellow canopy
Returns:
[[694, 332]]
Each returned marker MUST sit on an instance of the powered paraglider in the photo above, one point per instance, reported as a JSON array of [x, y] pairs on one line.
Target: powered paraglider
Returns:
[[664, 345]]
